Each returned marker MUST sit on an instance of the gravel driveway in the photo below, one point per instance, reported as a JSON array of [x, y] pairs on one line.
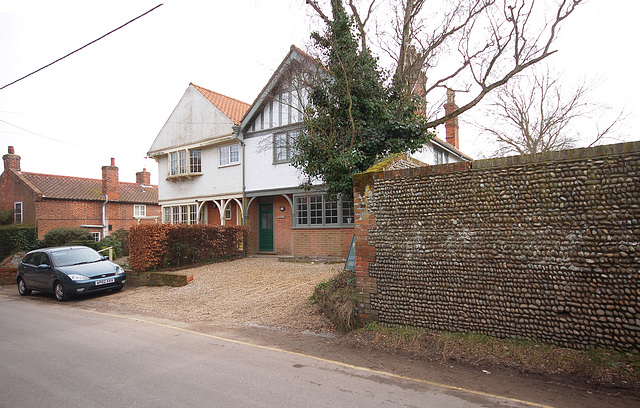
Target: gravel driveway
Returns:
[[254, 291]]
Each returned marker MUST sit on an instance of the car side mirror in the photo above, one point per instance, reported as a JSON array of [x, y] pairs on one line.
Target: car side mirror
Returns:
[[44, 266]]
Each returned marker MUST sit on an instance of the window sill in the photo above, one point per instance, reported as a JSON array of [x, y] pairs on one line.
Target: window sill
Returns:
[[184, 176], [229, 165], [310, 227]]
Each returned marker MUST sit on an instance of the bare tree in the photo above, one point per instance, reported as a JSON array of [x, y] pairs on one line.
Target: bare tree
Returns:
[[536, 113], [472, 46]]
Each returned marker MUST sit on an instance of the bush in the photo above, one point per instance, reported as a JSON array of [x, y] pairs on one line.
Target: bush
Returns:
[[6, 217], [114, 242], [123, 237], [337, 299], [154, 246], [67, 236], [14, 238]]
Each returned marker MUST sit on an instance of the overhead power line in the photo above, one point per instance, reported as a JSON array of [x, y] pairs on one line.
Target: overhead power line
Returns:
[[84, 46]]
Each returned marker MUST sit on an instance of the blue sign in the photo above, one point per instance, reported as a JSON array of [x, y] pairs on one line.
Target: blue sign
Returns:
[[350, 265]]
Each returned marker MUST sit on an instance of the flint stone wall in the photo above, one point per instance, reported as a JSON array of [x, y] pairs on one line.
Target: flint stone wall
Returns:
[[542, 248]]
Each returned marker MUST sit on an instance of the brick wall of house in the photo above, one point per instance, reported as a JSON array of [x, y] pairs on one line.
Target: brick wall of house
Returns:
[[74, 213], [12, 189], [282, 237], [332, 242]]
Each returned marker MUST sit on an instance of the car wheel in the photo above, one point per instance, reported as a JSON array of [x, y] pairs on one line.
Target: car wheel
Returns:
[[61, 294], [22, 288]]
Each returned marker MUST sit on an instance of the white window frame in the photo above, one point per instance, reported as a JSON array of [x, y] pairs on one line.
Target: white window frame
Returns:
[[184, 162], [180, 214], [139, 210], [18, 214], [96, 236], [316, 211], [229, 155]]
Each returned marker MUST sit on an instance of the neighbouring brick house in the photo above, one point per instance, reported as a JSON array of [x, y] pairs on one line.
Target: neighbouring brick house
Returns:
[[100, 206]]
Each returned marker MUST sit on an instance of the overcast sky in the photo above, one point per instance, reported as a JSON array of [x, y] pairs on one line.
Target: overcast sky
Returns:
[[112, 98]]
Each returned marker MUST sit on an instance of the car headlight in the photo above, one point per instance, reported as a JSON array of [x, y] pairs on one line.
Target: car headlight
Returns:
[[76, 277], [119, 270]]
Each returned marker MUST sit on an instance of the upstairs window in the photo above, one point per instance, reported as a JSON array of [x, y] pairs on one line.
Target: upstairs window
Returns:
[[195, 161], [284, 146], [139, 210], [229, 155], [178, 164], [17, 212]]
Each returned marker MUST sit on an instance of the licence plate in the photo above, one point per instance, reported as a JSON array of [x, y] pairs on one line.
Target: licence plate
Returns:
[[105, 281]]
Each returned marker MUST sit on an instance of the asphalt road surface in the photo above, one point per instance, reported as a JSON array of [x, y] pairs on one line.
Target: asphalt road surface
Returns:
[[58, 355]]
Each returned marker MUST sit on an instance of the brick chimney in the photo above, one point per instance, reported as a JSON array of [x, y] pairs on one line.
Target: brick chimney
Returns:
[[11, 160], [143, 177], [110, 183], [452, 124]]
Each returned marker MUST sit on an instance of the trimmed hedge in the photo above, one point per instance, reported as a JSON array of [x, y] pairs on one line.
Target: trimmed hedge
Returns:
[[158, 246], [67, 236], [14, 238]]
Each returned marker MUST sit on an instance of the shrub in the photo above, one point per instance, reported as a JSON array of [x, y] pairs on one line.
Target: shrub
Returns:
[[123, 236], [6, 217], [164, 245], [65, 236], [337, 300], [14, 238], [114, 242]]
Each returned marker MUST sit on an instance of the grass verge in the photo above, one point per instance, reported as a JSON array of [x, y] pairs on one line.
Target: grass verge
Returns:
[[596, 366]]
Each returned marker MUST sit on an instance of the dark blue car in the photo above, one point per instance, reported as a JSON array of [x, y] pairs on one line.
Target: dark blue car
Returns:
[[68, 271]]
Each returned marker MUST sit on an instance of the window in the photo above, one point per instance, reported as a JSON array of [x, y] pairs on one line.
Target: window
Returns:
[[317, 210], [195, 161], [96, 236], [181, 214], [227, 214], [229, 155], [284, 146], [139, 210], [17, 212], [178, 164], [438, 156]]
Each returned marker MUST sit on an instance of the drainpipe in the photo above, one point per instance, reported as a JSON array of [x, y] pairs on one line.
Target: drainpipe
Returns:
[[236, 135], [104, 216]]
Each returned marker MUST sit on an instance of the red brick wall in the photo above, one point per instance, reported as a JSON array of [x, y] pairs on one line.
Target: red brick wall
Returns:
[[12, 189], [282, 236], [72, 214], [333, 242]]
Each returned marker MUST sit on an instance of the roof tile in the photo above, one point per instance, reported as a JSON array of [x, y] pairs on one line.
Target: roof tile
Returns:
[[77, 188], [232, 108]]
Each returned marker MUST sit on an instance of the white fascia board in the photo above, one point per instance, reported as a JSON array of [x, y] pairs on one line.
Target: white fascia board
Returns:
[[203, 143]]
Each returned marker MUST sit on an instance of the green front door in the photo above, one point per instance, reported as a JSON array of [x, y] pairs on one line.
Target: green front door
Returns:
[[266, 227]]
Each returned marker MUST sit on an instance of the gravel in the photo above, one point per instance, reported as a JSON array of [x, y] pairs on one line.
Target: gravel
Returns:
[[249, 291]]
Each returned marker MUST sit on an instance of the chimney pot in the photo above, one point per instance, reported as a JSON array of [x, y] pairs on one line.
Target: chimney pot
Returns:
[[113, 161], [11, 151]]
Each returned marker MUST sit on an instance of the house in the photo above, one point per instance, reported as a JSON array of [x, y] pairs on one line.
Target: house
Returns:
[[224, 161], [100, 206]]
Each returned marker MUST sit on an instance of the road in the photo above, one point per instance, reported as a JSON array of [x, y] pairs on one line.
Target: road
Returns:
[[61, 355]]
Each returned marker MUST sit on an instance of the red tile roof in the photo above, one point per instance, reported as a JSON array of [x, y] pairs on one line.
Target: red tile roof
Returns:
[[232, 108], [77, 188]]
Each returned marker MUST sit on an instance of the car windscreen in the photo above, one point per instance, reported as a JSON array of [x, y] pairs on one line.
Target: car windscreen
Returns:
[[75, 256]]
